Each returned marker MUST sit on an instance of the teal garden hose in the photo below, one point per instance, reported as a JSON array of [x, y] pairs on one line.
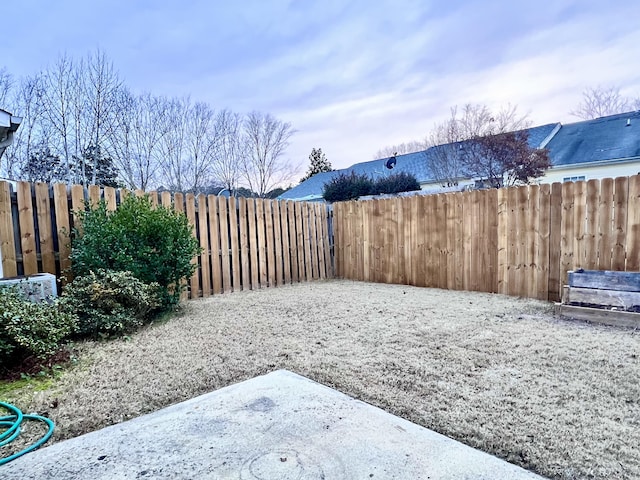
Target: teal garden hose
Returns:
[[11, 425]]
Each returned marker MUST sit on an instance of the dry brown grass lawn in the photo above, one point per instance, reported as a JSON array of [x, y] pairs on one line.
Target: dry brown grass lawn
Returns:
[[497, 373]]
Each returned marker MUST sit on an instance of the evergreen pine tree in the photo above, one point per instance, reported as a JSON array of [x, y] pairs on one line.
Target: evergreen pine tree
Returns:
[[318, 163], [82, 169], [43, 166]]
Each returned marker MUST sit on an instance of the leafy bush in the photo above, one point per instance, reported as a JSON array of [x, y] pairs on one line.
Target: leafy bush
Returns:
[[399, 182], [347, 187], [154, 244], [352, 186], [109, 303], [28, 328]]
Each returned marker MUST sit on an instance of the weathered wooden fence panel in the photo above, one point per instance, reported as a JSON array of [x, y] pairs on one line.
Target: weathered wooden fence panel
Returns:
[[246, 243], [518, 241]]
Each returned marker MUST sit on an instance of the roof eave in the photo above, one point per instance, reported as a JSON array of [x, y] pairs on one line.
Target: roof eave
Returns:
[[597, 163]]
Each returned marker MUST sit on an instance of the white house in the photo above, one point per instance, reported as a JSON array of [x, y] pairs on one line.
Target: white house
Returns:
[[8, 125], [605, 147]]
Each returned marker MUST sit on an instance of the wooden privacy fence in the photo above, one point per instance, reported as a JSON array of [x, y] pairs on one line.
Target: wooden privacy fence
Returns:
[[247, 243], [517, 241]]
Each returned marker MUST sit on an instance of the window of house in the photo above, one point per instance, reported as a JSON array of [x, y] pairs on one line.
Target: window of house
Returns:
[[578, 178]]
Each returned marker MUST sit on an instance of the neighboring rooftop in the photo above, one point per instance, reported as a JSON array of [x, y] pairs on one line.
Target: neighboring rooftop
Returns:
[[8, 125], [413, 163], [615, 137]]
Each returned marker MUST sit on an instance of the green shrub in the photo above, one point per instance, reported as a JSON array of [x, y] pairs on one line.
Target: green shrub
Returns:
[[28, 328], [154, 244], [399, 182], [347, 187], [108, 303]]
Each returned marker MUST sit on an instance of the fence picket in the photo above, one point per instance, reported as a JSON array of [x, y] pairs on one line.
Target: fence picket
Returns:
[[277, 240], [214, 234], [236, 280], [621, 199], [542, 252], [519, 241], [45, 229], [110, 198], [7, 239], [165, 199], [533, 242], [503, 218], [605, 224], [269, 234], [300, 242], [293, 236], [591, 225], [224, 244], [203, 236], [244, 243], [262, 245], [633, 225], [567, 243], [94, 195], [27, 229], [61, 209], [253, 243], [491, 212], [194, 282], [555, 242]]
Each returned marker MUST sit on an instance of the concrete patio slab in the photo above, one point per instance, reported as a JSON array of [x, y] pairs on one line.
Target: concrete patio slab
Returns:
[[278, 426]]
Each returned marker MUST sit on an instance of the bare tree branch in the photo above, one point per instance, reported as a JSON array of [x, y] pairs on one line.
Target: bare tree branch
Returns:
[[602, 101], [201, 140], [135, 136], [229, 149], [32, 131], [57, 98], [173, 144], [6, 86], [400, 149], [100, 86], [267, 139]]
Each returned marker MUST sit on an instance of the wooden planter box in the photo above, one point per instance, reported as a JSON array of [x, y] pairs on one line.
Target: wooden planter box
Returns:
[[602, 296]]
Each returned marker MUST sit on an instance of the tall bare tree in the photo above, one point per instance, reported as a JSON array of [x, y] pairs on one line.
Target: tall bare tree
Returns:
[[99, 85], [173, 145], [33, 132], [59, 90], [201, 140], [79, 119], [6, 86], [601, 101], [229, 149], [267, 138], [135, 137], [78, 99]]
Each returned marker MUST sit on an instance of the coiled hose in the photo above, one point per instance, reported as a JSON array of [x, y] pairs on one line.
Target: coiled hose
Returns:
[[11, 424]]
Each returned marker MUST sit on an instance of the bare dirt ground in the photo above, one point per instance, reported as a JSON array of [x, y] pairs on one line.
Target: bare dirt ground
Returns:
[[497, 373]]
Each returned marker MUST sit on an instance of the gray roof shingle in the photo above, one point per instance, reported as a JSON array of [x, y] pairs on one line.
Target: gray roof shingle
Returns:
[[605, 138]]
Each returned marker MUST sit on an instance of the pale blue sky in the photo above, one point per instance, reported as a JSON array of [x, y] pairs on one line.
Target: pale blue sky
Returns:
[[351, 76]]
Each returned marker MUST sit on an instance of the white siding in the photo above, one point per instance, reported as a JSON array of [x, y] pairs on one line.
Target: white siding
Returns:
[[620, 169]]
